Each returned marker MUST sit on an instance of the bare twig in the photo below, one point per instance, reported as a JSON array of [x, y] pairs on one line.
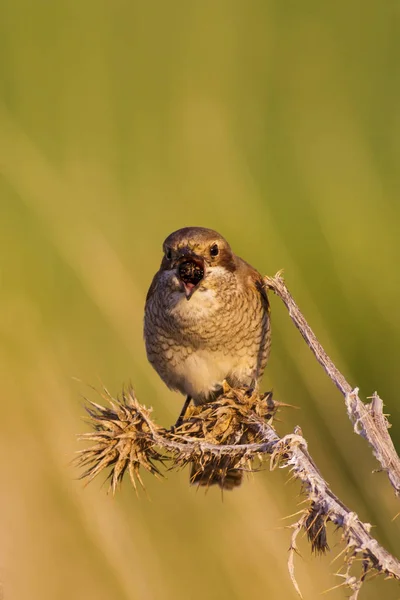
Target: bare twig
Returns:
[[368, 420], [225, 435]]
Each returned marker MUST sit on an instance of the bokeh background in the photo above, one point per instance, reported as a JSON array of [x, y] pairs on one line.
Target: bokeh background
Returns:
[[276, 123]]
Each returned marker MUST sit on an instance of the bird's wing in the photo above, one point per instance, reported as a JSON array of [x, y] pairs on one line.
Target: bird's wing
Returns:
[[256, 280]]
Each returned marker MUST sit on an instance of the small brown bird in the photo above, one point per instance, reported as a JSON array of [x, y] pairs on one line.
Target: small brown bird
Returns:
[[206, 322]]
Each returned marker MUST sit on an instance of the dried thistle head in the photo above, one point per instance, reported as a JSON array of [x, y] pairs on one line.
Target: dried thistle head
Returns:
[[315, 526], [122, 440], [226, 421]]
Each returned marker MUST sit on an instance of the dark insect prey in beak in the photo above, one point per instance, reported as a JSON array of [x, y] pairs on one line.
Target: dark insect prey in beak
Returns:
[[191, 272]]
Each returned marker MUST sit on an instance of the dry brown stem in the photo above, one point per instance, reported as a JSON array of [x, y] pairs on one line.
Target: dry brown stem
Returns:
[[368, 420], [229, 433]]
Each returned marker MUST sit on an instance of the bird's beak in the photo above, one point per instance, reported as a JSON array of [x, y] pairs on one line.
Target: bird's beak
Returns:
[[190, 271], [188, 289]]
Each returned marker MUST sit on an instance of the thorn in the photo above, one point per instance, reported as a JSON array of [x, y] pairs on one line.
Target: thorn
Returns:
[[299, 512]]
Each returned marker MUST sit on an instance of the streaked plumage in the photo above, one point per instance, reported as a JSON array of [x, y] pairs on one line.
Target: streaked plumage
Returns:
[[206, 316]]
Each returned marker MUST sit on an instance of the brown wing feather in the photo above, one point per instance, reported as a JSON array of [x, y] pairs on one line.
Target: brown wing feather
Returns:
[[256, 278]]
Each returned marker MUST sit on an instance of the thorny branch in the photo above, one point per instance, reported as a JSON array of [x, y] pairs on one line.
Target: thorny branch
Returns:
[[368, 420], [235, 432], [230, 433]]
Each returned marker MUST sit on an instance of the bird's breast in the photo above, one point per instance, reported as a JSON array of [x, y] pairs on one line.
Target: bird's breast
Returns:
[[202, 305], [200, 372]]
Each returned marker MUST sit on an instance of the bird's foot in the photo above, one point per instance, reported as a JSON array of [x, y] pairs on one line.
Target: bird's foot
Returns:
[[179, 420], [225, 387]]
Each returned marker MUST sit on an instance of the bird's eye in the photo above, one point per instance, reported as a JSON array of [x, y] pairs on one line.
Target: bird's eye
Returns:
[[214, 250], [168, 253]]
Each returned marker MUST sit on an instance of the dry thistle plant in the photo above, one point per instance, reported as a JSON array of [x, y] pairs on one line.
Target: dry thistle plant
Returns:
[[235, 433], [217, 437]]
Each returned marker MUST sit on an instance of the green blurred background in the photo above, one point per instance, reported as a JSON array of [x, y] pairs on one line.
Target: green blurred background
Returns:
[[276, 123]]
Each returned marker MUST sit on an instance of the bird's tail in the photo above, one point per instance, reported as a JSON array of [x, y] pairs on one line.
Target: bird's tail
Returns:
[[211, 474]]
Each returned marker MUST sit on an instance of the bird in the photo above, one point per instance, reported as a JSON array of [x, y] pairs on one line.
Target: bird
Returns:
[[206, 324]]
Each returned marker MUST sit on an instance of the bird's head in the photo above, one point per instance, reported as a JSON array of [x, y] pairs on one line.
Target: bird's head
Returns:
[[194, 255]]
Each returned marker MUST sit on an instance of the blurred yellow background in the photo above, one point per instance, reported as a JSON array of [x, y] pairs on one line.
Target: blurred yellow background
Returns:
[[276, 123]]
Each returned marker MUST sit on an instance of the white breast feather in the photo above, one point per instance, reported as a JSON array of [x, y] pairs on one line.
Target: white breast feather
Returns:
[[200, 305], [202, 371]]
